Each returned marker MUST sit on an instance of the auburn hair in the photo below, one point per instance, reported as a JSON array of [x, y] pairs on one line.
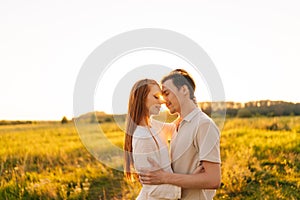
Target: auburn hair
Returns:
[[137, 112]]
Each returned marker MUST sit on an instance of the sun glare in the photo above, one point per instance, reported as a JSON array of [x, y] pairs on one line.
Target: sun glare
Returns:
[[164, 107], [161, 98]]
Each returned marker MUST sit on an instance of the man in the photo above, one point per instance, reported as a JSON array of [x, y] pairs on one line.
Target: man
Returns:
[[195, 148]]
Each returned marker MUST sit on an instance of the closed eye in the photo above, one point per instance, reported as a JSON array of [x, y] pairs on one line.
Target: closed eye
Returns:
[[166, 93]]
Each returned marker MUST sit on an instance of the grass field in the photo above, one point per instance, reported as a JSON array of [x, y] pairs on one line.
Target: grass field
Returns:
[[260, 160]]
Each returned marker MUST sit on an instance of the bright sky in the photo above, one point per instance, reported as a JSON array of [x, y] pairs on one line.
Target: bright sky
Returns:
[[255, 46]]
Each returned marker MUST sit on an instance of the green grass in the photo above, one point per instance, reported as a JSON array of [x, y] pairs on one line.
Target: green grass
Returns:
[[49, 161], [259, 163]]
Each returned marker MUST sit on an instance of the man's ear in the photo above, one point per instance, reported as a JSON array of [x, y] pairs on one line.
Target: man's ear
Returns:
[[185, 90]]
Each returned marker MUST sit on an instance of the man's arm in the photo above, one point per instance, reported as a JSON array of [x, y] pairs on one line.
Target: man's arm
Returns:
[[209, 178]]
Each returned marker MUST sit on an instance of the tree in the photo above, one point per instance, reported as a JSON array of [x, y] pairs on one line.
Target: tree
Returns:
[[64, 120]]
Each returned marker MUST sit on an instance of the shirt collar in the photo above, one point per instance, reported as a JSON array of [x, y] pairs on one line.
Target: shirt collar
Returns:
[[191, 115]]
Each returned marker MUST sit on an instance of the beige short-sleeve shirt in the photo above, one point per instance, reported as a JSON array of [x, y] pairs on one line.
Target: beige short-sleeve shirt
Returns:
[[197, 139]]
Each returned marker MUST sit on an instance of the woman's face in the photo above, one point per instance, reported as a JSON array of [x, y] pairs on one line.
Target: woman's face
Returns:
[[154, 100]]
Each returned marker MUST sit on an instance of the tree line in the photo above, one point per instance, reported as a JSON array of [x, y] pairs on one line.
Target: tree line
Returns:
[[232, 109], [253, 108]]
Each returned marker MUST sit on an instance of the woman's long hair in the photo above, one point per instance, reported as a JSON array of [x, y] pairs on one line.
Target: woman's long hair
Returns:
[[137, 112]]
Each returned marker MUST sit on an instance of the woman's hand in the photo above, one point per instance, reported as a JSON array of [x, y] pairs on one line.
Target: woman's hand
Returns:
[[199, 169], [155, 177]]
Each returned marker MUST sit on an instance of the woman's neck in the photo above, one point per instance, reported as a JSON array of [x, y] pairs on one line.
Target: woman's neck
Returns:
[[144, 122]]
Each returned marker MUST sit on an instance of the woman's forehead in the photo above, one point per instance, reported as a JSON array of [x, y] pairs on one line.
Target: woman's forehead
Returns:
[[155, 89]]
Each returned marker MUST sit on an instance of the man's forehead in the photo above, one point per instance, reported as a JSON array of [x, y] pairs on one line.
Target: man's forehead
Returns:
[[168, 85]]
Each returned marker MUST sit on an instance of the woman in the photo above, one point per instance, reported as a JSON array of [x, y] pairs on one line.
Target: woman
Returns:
[[146, 139]]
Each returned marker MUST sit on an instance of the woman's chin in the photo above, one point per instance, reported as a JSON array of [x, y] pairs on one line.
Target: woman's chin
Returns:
[[155, 113]]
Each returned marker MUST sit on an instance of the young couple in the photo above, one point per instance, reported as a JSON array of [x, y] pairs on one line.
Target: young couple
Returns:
[[192, 169]]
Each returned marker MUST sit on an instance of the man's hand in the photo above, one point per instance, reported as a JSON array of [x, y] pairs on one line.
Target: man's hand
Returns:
[[155, 177]]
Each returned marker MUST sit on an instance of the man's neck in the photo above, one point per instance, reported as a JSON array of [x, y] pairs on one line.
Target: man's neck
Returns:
[[186, 108]]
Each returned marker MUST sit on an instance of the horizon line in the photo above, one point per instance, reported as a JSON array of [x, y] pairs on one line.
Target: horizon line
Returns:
[[72, 117]]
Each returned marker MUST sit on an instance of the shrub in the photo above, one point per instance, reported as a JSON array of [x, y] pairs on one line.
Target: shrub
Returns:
[[244, 113]]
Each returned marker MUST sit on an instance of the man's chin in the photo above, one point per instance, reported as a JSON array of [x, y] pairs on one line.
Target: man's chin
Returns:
[[172, 112]]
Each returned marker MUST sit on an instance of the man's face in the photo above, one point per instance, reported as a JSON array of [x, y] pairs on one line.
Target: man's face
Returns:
[[172, 96]]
